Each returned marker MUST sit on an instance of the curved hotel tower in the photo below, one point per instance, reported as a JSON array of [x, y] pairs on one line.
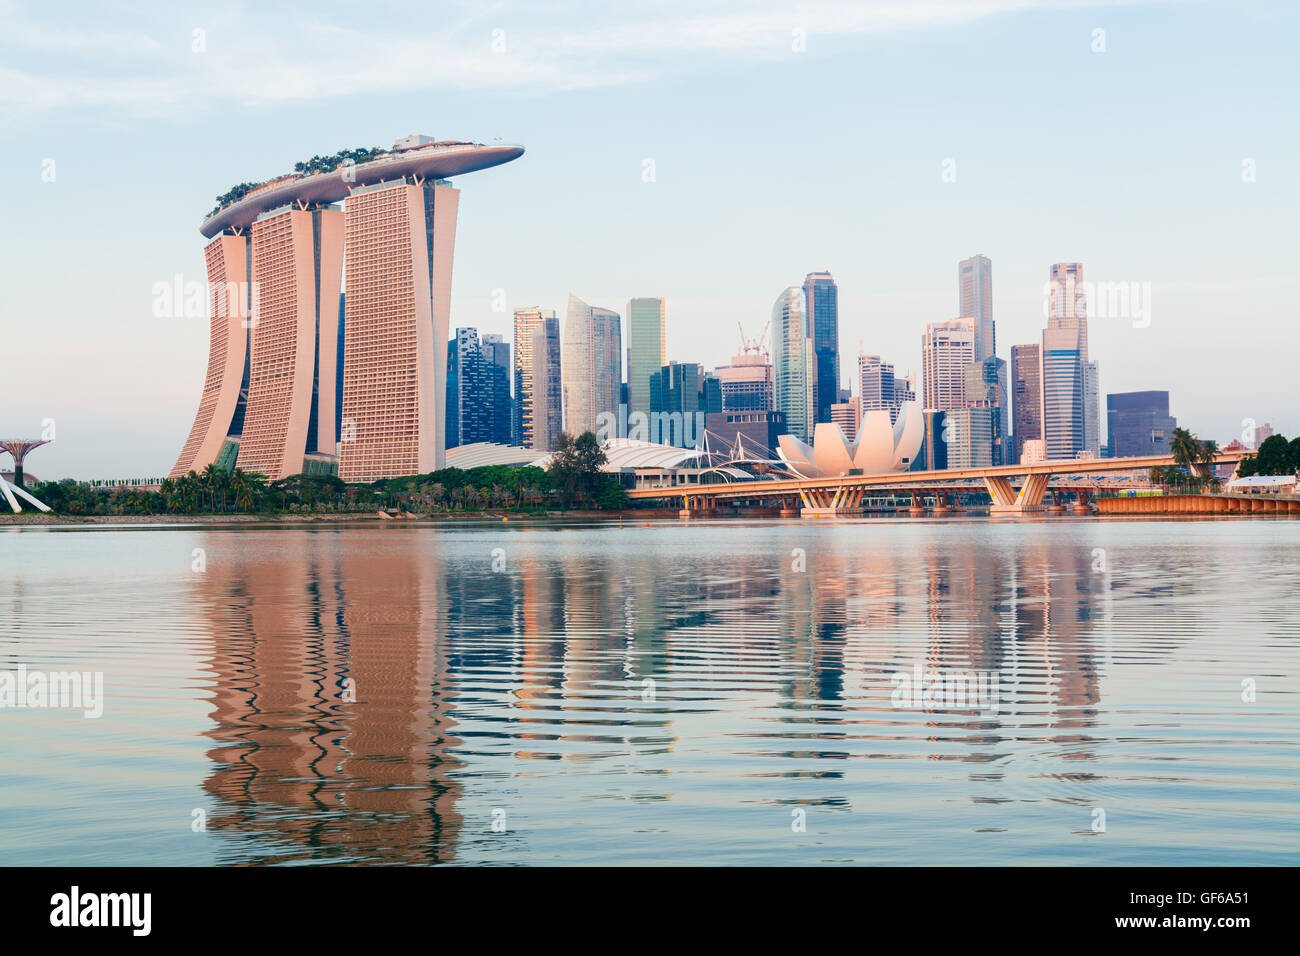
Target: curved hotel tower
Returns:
[[305, 376]]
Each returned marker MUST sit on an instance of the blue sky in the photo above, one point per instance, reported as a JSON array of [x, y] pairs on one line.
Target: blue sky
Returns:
[[770, 161]]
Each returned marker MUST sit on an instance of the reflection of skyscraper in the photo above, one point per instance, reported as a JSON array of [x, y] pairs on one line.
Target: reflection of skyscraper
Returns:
[[792, 363], [330, 704], [821, 297], [975, 286], [592, 367]]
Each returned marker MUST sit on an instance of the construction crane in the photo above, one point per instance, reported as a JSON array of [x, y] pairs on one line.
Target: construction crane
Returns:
[[754, 345]]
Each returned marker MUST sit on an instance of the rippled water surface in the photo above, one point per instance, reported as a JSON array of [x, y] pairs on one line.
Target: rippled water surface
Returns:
[[718, 692]]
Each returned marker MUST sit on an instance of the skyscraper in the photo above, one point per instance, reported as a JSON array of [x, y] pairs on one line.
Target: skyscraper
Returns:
[[986, 387], [301, 378], [1139, 424], [592, 367], [1061, 376], [527, 321], [876, 385], [547, 415], [647, 335], [400, 237], [1026, 398], [1067, 432], [496, 352], [1091, 409], [975, 295], [1068, 301], [821, 297], [747, 382], [791, 362], [947, 348], [469, 399]]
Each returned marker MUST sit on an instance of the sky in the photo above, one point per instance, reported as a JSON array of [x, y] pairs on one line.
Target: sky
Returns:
[[710, 152]]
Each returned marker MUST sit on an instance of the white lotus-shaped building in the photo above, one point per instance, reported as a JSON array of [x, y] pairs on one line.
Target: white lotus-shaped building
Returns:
[[879, 447]]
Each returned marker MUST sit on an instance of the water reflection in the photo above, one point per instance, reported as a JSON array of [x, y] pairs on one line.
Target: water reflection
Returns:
[[723, 654], [549, 693]]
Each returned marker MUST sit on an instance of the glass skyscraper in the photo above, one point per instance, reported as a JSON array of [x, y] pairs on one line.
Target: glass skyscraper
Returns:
[[592, 367], [821, 297], [1062, 384], [647, 332], [1026, 398], [792, 362], [975, 298]]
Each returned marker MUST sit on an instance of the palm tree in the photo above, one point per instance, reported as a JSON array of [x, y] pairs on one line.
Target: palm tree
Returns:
[[1184, 447]]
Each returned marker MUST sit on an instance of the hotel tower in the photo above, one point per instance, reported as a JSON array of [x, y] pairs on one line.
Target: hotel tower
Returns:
[[304, 375]]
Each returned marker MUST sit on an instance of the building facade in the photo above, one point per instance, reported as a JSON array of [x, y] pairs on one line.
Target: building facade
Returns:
[[821, 299], [1139, 424], [328, 326], [792, 363], [647, 344], [947, 349], [547, 419], [592, 367], [1026, 398], [975, 298]]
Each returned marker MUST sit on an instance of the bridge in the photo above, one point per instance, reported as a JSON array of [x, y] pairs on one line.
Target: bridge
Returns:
[[844, 494]]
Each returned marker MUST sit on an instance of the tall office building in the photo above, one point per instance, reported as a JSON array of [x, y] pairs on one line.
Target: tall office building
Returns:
[[281, 397], [452, 405], [792, 363], [496, 352], [821, 298], [1026, 399], [469, 391], [1070, 426], [947, 348], [592, 366], [968, 437], [986, 387], [1067, 304], [647, 343], [747, 382], [1061, 379], [1092, 409], [1139, 424], [975, 295], [876, 386], [527, 321], [682, 395], [848, 415], [904, 389], [547, 391]]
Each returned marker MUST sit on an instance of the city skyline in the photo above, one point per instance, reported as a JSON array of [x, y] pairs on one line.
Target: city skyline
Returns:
[[1134, 215]]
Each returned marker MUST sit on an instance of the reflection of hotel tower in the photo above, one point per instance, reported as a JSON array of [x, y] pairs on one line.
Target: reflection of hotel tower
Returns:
[[299, 373], [298, 771]]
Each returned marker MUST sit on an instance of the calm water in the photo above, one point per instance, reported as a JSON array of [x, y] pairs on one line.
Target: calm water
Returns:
[[707, 693]]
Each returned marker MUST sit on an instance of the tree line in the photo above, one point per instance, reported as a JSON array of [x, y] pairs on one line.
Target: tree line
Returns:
[[573, 479]]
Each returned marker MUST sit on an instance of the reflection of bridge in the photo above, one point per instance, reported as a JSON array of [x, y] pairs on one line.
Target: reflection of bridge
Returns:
[[845, 494]]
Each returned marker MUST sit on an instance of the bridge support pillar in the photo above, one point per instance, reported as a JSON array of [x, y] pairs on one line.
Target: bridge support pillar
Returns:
[[1008, 502]]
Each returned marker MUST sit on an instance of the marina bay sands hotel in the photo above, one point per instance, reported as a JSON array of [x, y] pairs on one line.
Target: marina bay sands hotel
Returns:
[[329, 325]]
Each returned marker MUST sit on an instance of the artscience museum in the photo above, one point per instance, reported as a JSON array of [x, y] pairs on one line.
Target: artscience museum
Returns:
[[880, 446]]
